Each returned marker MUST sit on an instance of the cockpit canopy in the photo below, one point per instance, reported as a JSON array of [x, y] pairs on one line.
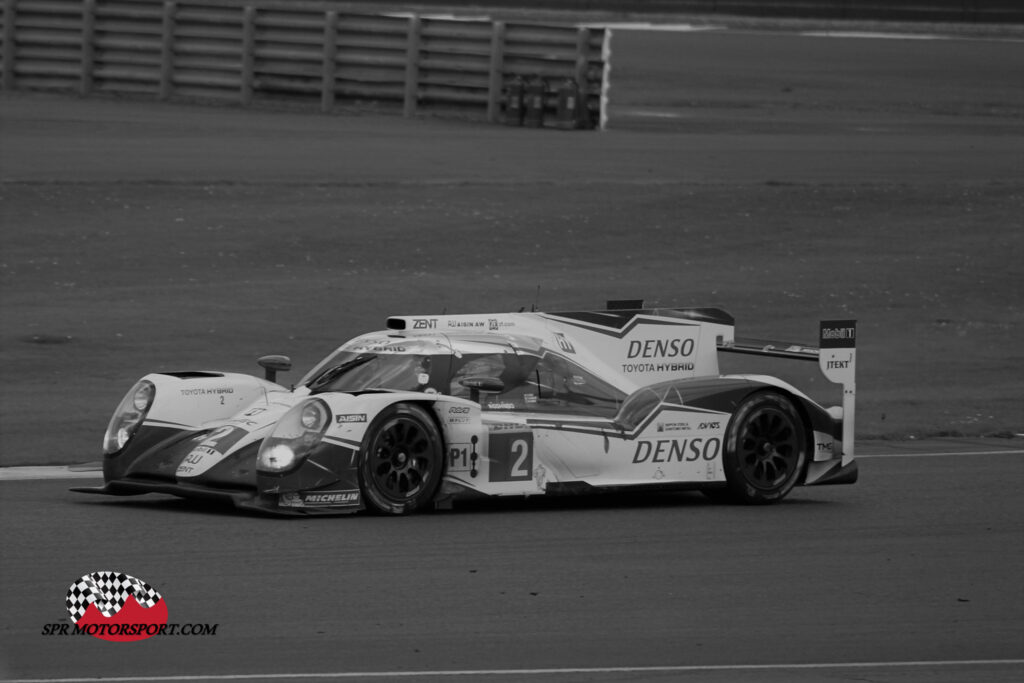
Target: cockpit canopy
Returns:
[[491, 371]]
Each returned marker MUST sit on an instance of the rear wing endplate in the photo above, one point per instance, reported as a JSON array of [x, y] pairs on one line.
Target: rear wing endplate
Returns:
[[837, 358]]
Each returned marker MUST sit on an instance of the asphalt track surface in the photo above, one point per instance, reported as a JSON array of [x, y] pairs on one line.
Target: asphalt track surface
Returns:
[[911, 575]]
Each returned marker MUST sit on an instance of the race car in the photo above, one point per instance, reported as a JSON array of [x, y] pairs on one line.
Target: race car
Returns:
[[438, 408]]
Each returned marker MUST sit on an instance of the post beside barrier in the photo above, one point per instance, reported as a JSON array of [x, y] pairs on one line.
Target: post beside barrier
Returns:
[[7, 78], [248, 74], [535, 97], [567, 112], [329, 63], [166, 87], [513, 101], [88, 47], [495, 88], [412, 68]]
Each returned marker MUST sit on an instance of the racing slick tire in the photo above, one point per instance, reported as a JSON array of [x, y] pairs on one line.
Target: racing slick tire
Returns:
[[765, 450], [402, 460]]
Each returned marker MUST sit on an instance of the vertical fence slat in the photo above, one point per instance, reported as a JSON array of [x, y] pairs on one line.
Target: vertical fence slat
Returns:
[[582, 77], [329, 66], [10, 14], [497, 69], [582, 58], [88, 46], [167, 51], [248, 53], [606, 74], [412, 67]]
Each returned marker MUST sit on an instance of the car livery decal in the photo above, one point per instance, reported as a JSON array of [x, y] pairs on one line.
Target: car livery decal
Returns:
[[715, 420], [620, 323], [464, 458], [308, 499], [677, 450], [510, 456], [211, 448], [347, 443], [165, 424], [673, 443], [616, 325]]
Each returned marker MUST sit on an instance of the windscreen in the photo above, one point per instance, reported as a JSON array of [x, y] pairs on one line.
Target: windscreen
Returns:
[[354, 371]]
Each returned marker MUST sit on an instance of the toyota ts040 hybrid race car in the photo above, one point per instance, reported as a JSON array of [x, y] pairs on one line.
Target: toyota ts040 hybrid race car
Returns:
[[438, 408]]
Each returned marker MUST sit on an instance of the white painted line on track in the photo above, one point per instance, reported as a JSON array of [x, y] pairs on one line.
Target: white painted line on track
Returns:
[[875, 34], [881, 35], [649, 113], [534, 672], [33, 473], [937, 454], [647, 26]]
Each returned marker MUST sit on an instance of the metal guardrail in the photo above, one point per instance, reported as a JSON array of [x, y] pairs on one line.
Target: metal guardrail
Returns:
[[252, 53]]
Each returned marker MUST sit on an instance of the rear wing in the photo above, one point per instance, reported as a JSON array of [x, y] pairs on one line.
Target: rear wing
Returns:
[[836, 355]]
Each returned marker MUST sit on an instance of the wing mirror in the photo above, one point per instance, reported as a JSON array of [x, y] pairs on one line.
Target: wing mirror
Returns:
[[273, 365], [489, 385]]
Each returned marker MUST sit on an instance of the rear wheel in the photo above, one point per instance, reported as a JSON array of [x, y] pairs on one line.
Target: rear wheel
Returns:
[[402, 460], [765, 449]]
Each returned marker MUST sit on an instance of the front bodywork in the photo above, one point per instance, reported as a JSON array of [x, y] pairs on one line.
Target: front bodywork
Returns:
[[199, 437], [604, 400]]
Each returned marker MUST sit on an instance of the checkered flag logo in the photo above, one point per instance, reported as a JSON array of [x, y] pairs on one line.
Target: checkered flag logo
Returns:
[[109, 591]]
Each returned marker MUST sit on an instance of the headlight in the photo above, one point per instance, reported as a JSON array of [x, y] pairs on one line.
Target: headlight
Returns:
[[142, 397], [277, 458], [129, 415], [295, 436], [314, 416]]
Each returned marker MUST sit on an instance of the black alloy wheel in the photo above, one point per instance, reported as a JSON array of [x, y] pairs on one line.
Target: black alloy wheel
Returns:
[[765, 449], [402, 460]]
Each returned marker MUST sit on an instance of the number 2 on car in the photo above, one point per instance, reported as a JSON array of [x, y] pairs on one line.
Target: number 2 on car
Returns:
[[511, 457]]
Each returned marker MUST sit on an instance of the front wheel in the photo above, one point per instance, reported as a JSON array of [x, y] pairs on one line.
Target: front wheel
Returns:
[[765, 449], [402, 460]]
